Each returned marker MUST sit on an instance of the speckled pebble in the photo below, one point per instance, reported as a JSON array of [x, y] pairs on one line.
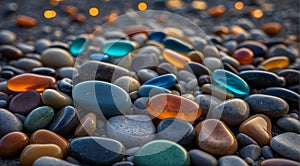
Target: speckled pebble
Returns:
[[9, 122], [251, 151], [231, 160]]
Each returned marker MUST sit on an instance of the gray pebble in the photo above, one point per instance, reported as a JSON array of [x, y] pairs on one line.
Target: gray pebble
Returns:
[[267, 152], [67, 72], [231, 160], [165, 68], [41, 45], [143, 60], [244, 140], [127, 83], [289, 124], [146, 74], [185, 75], [7, 37], [251, 151], [207, 103], [201, 158], [9, 122], [51, 161], [27, 64]]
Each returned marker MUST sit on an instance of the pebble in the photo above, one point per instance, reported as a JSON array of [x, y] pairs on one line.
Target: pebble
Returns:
[[175, 58], [207, 103], [282, 50], [87, 125], [44, 71], [41, 45], [131, 130], [244, 140], [78, 45], [144, 60], [236, 108], [27, 64], [4, 96], [201, 158], [287, 145], [279, 162], [13, 143], [25, 48], [127, 83], [215, 137], [289, 124], [56, 99], [216, 11], [11, 52], [166, 68], [272, 106], [51, 161], [292, 98], [185, 75], [67, 72], [28, 81], [196, 56], [278, 62], [231, 160], [176, 44], [136, 29], [65, 86], [157, 36], [212, 63], [258, 127], [146, 74], [259, 49], [26, 21], [251, 151], [7, 37], [160, 153], [244, 55], [267, 152], [34, 151], [164, 81], [271, 28], [117, 48], [197, 68], [39, 118], [151, 90], [25, 102], [97, 150], [57, 57], [292, 77], [216, 91], [9, 122], [230, 60], [123, 163]]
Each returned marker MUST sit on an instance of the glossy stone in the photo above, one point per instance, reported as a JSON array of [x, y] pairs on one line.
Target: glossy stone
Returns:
[[164, 81], [9, 122], [44, 71], [57, 57], [216, 11], [271, 28], [258, 127], [177, 45], [289, 124], [118, 48], [165, 106], [51, 161], [196, 56], [176, 59], [67, 72], [136, 29], [25, 102], [27, 81], [78, 45], [279, 162], [256, 47], [215, 137], [292, 77], [27, 64], [201, 158], [39, 118], [278, 62], [160, 153], [197, 68], [244, 55], [231, 160], [65, 86], [292, 98], [13, 143], [11, 52], [43, 136], [244, 140], [99, 57], [97, 150], [251, 151], [237, 86], [86, 126], [56, 99], [26, 21], [146, 74], [207, 103], [151, 90], [157, 36], [7, 37], [34, 151]]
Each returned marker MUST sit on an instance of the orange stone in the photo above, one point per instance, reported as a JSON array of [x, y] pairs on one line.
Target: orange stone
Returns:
[[175, 32], [71, 10], [271, 28], [165, 106], [244, 55], [87, 125], [13, 143], [27, 81], [280, 62], [235, 29], [215, 137], [43, 136], [26, 21], [111, 18], [175, 58], [216, 11], [136, 29], [258, 127], [80, 18], [35, 151]]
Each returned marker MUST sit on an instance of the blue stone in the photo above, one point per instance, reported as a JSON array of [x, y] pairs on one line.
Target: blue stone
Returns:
[[177, 45], [233, 83], [157, 36], [117, 48], [164, 81], [99, 57], [151, 90], [78, 45]]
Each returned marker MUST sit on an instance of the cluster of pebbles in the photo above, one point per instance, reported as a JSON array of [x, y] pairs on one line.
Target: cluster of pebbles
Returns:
[[144, 95]]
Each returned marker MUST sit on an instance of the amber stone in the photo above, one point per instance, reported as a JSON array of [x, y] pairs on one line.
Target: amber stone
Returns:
[[43, 136], [71, 10], [244, 55], [175, 58], [279, 162], [258, 127], [87, 125], [13, 143], [27, 81], [80, 18], [216, 11], [135, 29], [175, 32], [165, 106], [26, 21], [34, 151], [271, 28], [235, 29], [280, 62]]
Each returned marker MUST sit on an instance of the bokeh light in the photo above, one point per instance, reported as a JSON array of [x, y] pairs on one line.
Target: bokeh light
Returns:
[[199, 5], [257, 13], [49, 14], [239, 5], [142, 6], [94, 11]]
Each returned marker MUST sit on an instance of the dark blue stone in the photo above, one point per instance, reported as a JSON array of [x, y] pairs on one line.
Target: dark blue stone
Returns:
[[164, 81], [177, 45], [65, 86], [257, 48], [157, 36], [44, 71], [99, 57], [292, 98], [151, 90]]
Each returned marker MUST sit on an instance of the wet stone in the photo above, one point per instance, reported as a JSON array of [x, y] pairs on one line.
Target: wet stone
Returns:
[[267, 152], [230, 60], [231, 160], [289, 124], [256, 47], [127, 83], [292, 98], [99, 57], [25, 102], [51, 161], [244, 55], [15, 70], [65, 86], [44, 71], [118, 48], [282, 50], [244, 140], [292, 77], [175, 58], [271, 28], [56, 99], [27, 64], [26, 21], [207, 103], [39, 118], [57, 57], [251, 151], [164, 81], [143, 60], [176, 44], [213, 63], [41, 45], [9, 122], [78, 46], [11, 52], [278, 62], [25, 48], [157, 36], [201, 158], [13, 143], [67, 72]]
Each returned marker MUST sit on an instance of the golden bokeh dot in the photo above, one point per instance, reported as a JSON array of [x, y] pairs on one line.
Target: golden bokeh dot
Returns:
[[257, 13], [142, 6], [94, 11], [49, 14], [239, 5], [199, 5]]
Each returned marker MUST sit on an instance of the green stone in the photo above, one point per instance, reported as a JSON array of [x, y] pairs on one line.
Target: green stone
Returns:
[[161, 153], [117, 48], [39, 118], [78, 45]]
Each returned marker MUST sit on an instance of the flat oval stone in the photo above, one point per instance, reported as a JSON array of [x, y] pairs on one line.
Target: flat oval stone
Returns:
[[57, 57], [237, 86], [244, 55], [207, 102], [44, 71], [217, 91], [176, 59], [231, 160], [272, 106], [51, 161], [9, 122], [287, 145], [39, 118], [254, 77], [197, 68], [117, 48], [289, 124], [112, 100], [236, 108], [13, 143], [282, 50], [99, 57], [157, 36], [177, 45], [27, 81], [279, 162], [127, 83], [215, 137], [27, 64], [136, 29], [259, 49], [165, 106], [11, 52], [201, 158], [78, 45], [279, 62], [87, 125], [56, 99], [164, 81], [41, 45], [7, 37], [67, 72], [292, 98], [35, 151], [160, 153], [151, 90], [292, 77], [97, 150], [25, 102], [146, 74], [131, 130], [258, 127]]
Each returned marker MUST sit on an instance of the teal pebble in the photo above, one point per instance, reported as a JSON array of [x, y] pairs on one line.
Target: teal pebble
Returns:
[[99, 57], [177, 45], [161, 153], [151, 90], [164, 81], [78, 45], [39, 118], [233, 83], [117, 48], [157, 36]]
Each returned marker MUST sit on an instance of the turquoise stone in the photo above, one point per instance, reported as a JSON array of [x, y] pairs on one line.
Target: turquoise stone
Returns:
[[161, 153], [177, 45], [101, 97], [151, 90], [233, 83], [78, 45], [117, 48], [157, 36], [39, 118], [164, 81], [99, 57]]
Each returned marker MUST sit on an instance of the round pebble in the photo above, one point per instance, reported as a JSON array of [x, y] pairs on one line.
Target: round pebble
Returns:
[[127, 83], [57, 57], [25, 102], [251, 151], [56, 99], [13, 143], [9, 122], [231, 160], [51, 161]]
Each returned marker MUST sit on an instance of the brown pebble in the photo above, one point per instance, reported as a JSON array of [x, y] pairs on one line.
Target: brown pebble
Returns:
[[11, 52], [279, 162], [271, 28], [25, 102], [26, 21], [70, 10], [111, 18], [216, 11], [13, 143], [80, 18]]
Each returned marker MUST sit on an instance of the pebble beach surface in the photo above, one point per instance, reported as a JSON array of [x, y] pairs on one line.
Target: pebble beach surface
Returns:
[[149, 88]]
